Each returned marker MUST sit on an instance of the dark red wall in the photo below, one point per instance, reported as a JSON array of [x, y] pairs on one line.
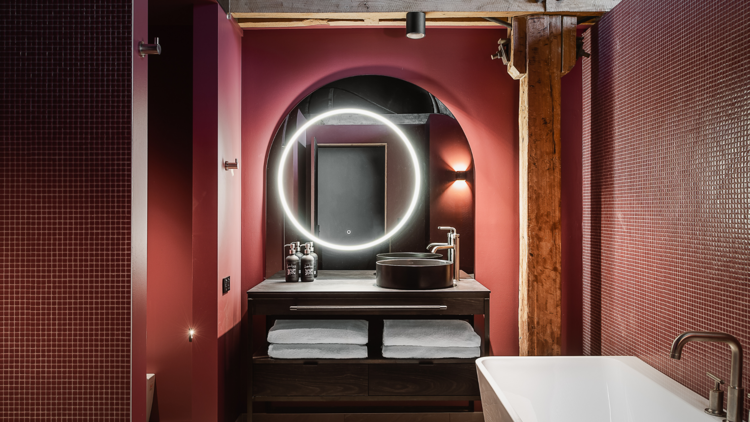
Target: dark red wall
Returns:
[[666, 199], [572, 210], [451, 201], [216, 196], [65, 211], [170, 201]]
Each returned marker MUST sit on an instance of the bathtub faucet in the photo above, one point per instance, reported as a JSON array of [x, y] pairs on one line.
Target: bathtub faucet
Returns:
[[736, 399]]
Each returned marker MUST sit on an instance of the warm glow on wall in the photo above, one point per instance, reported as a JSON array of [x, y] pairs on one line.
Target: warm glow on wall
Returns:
[[461, 182]]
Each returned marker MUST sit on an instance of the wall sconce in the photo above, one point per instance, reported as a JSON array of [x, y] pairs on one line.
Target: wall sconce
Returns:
[[461, 175], [415, 23], [191, 333]]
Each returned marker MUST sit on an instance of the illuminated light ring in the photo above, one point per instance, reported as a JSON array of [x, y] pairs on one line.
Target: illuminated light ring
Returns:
[[414, 198]]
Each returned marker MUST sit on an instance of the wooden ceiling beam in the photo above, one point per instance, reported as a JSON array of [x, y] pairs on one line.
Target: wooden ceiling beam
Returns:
[[396, 15], [292, 23]]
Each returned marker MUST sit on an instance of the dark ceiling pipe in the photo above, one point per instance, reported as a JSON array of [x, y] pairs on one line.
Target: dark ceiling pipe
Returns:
[[499, 22]]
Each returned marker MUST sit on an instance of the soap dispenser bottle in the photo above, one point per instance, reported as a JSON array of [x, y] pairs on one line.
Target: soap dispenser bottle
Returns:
[[292, 265], [308, 266], [299, 251], [315, 257]]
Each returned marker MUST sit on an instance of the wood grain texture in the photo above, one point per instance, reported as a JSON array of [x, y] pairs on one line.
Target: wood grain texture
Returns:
[[561, 6], [358, 398], [454, 306], [517, 63], [423, 380], [370, 417], [367, 22], [265, 360], [569, 58], [310, 380], [540, 319], [385, 6]]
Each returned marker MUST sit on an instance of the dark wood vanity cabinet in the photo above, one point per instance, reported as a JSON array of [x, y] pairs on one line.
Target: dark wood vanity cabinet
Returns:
[[354, 295]]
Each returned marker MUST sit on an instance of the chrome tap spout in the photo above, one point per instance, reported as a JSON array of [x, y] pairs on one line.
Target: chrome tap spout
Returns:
[[441, 247]]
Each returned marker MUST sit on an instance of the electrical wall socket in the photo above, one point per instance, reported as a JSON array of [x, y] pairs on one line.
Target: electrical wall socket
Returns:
[[225, 285]]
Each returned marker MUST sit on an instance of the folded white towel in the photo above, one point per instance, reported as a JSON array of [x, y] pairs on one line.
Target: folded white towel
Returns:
[[317, 351], [429, 333], [318, 331], [419, 352]]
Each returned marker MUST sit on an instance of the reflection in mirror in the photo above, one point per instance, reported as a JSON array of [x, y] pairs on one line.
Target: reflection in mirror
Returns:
[[349, 179]]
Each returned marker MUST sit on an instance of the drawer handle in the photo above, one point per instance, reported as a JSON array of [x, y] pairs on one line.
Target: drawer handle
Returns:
[[368, 308]]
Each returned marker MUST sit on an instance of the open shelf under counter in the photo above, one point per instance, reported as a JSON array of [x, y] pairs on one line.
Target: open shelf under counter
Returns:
[[355, 295]]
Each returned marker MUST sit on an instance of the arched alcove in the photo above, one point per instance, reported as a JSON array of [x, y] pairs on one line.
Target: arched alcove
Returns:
[[453, 66]]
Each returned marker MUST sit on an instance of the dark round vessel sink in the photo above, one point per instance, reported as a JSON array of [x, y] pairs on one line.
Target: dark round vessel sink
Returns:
[[409, 255], [414, 274]]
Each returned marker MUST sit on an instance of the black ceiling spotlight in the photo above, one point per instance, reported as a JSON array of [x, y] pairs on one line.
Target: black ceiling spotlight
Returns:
[[415, 25]]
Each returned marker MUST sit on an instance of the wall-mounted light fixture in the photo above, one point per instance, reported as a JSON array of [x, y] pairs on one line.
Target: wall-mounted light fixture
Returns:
[[191, 333], [415, 23], [461, 175]]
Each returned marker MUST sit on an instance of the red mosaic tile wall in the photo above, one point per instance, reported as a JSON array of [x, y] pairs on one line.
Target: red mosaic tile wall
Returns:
[[667, 184], [65, 210]]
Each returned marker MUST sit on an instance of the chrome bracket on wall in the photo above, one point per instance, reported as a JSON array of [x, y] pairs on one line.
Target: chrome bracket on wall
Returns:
[[154, 48]]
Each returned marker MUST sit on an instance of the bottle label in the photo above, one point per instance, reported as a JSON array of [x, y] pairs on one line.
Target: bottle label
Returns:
[[291, 270], [309, 270]]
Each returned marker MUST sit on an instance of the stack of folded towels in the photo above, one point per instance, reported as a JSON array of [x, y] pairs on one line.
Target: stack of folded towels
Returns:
[[318, 339], [429, 339]]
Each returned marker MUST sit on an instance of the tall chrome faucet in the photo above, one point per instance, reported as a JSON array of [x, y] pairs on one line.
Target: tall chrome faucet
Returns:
[[453, 247], [736, 399], [451, 234]]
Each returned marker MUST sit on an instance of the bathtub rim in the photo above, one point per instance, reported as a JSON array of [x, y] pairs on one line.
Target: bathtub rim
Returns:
[[673, 387]]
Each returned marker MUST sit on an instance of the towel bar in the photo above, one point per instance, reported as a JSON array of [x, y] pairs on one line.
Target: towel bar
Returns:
[[368, 307]]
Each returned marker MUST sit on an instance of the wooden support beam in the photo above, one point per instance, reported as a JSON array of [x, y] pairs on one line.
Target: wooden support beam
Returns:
[[517, 63], [569, 58], [540, 318]]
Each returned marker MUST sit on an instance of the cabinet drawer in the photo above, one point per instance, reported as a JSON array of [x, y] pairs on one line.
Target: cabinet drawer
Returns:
[[352, 306], [423, 380], [309, 380]]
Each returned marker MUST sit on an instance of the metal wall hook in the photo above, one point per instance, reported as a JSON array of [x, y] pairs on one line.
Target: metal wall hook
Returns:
[[228, 165], [154, 48]]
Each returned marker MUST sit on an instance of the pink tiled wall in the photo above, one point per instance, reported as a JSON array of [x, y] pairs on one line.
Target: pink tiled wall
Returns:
[[65, 210], [667, 183]]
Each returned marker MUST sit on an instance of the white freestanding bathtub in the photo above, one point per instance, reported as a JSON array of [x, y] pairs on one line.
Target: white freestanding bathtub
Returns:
[[583, 389]]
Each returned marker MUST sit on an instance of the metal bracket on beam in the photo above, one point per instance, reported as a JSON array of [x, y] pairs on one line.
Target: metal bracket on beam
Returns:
[[502, 54]]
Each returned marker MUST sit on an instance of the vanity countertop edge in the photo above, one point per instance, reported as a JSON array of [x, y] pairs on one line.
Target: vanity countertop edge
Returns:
[[355, 283]]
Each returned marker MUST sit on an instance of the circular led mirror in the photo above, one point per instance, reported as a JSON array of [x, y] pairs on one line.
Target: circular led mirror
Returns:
[[302, 130]]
